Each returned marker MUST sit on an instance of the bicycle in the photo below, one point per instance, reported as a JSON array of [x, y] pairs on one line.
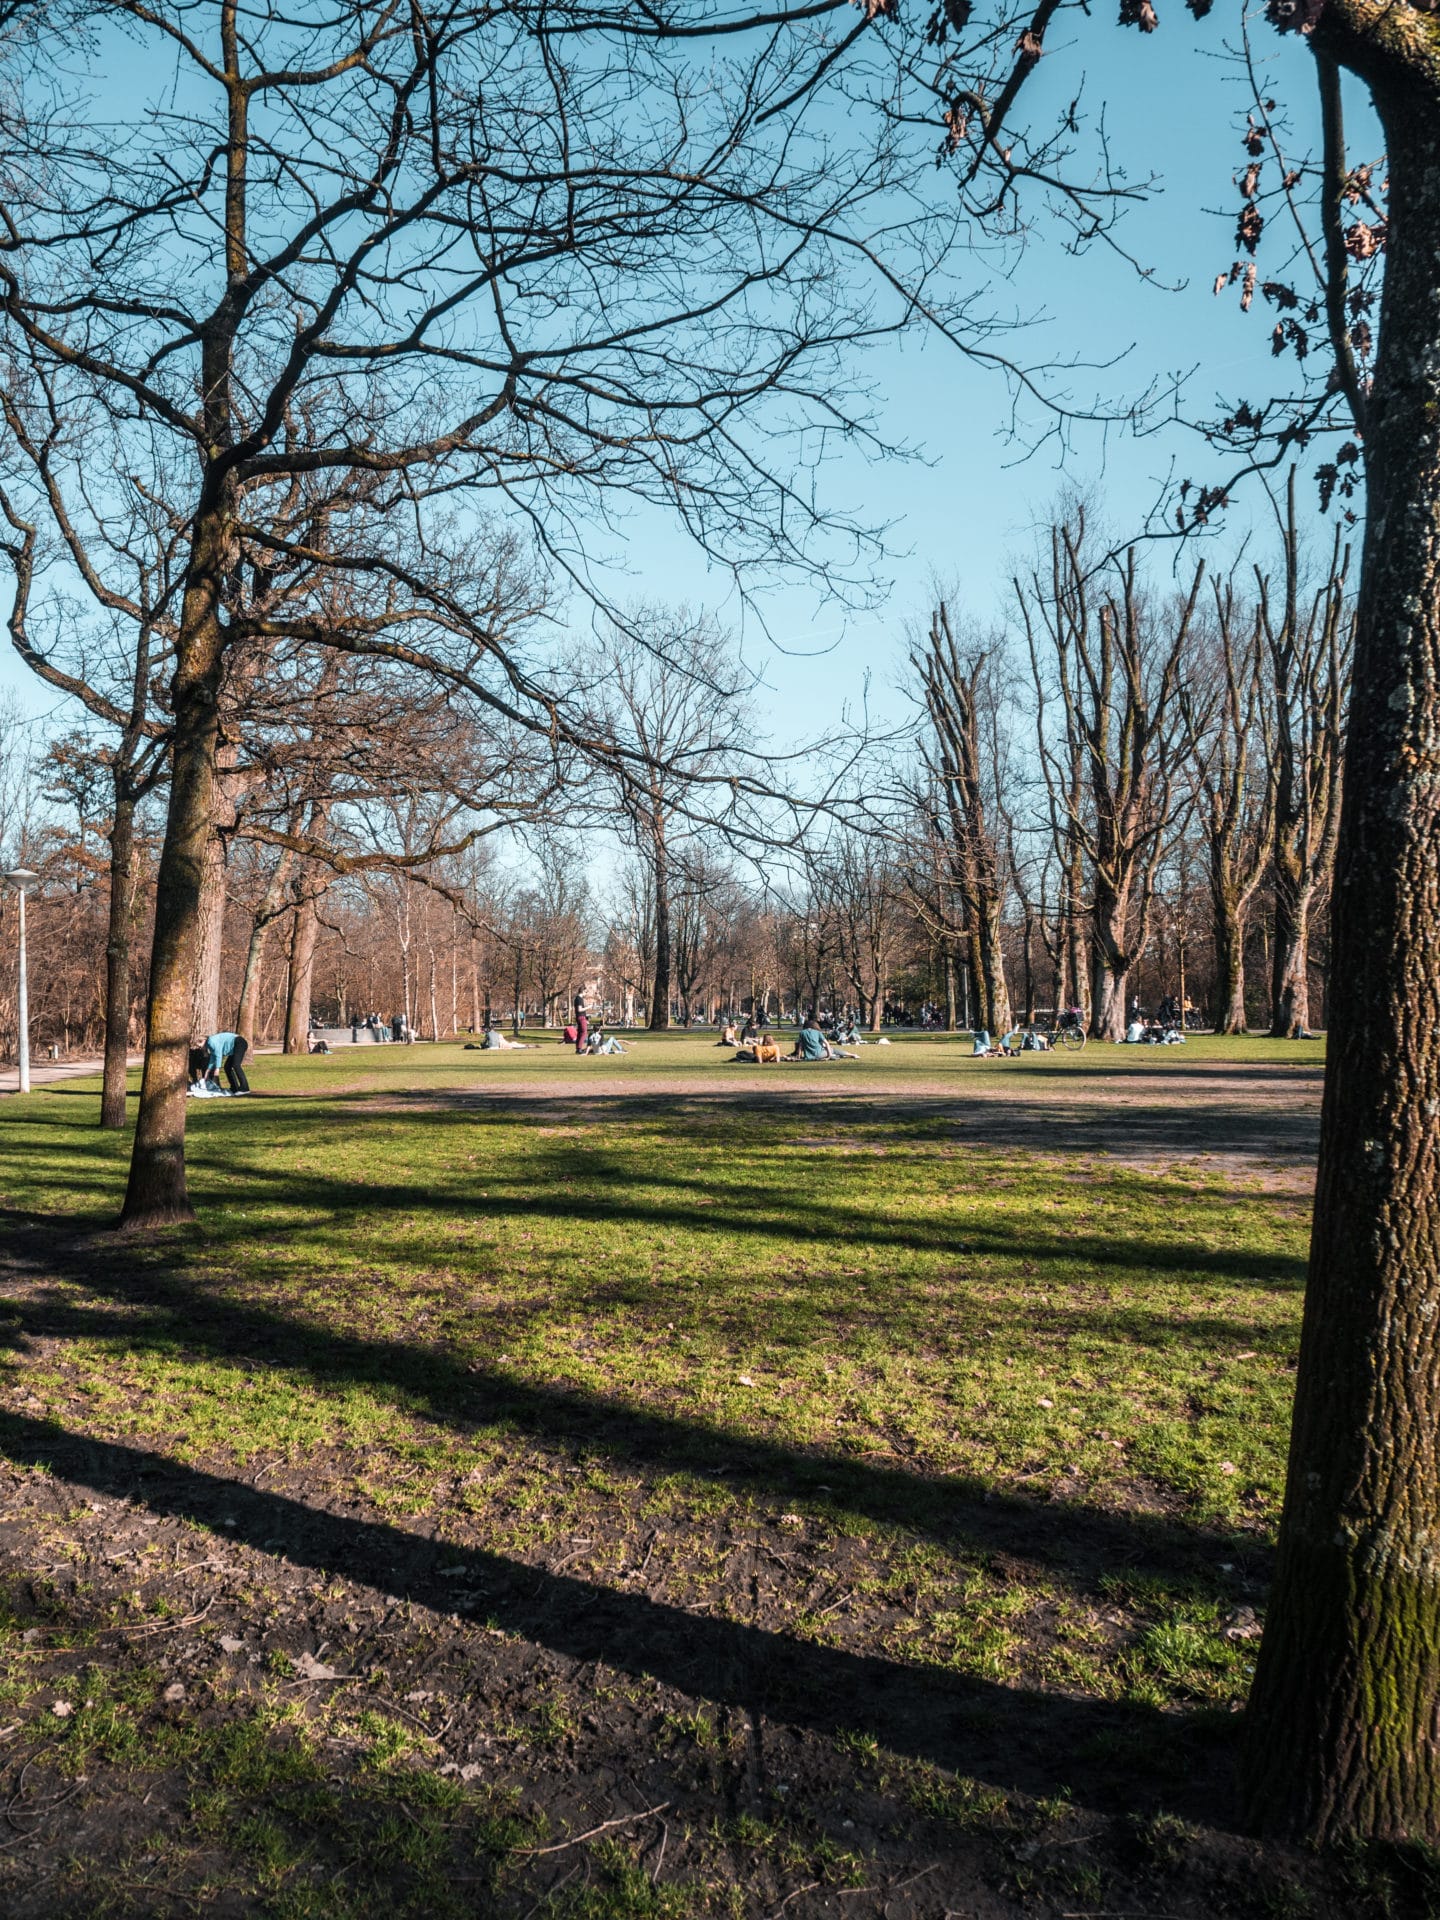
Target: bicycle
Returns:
[[1067, 1030]]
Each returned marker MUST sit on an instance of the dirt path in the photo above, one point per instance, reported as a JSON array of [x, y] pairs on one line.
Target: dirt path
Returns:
[[1261, 1118]]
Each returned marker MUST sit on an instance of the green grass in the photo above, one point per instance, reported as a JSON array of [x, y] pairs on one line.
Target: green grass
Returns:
[[635, 1330]]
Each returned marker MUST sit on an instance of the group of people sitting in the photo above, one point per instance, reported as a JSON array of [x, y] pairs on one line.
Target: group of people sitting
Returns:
[[221, 1050], [1029, 1039], [756, 1045]]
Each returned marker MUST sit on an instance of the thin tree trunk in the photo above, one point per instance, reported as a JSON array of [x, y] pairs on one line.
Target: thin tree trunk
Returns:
[[248, 1011], [660, 992], [210, 940], [117, 960], [1341, 1727]]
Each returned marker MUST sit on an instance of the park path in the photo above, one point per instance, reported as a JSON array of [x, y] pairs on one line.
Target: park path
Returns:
[[44, 1072]]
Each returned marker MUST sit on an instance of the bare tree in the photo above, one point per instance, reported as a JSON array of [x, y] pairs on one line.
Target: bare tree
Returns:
[[1235, 795], [962, 804], [1113, 661], [1308, 645], [675, 702]]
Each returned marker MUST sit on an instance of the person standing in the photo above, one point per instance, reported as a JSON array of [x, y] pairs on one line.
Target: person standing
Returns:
[[582, 1024]]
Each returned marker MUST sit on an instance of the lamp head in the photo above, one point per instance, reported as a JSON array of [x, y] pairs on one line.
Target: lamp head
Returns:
[[21, 877]]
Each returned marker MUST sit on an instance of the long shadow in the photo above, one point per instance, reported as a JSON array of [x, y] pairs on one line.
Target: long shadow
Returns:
[[1034, 1742], [1078, 1544], [1115, 1131], [755, 1211]]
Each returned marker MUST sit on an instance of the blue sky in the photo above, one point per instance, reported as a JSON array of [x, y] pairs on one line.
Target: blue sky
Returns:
[[970, 499]]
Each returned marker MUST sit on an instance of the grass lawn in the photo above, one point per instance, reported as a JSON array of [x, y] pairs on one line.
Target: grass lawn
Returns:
[[656, 1487]]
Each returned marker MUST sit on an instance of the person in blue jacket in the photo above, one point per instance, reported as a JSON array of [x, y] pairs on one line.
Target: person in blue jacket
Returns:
[[227, 1050]]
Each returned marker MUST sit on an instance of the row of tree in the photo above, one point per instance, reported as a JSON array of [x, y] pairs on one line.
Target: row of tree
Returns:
[[1092, 808]]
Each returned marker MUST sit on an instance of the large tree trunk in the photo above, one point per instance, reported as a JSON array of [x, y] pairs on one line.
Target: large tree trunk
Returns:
[[1341, 1728], [1110, 967], [302, 969], [1290, 978], [660, 992], [995, 994], [117, 960], [156, 1193], [1228, 933], [210, 941]]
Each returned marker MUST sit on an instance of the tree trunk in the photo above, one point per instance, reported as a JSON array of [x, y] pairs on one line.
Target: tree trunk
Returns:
[[995, 994], [210, 941], [156, 1194], [1228, 932], [1110, 968], [951, 1009], [248, 1013], [1341, 1728], [660, 991], [1107, 1002], [302, 970], [117, 960], [1290, 980]]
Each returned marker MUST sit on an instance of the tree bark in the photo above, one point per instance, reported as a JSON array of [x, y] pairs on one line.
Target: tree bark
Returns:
[[1290, 980], [1342, 1725], [210, 941], [660, 991], [1228, 928], [156, 1193], [117, 960], [248, 1012], [302, 968]]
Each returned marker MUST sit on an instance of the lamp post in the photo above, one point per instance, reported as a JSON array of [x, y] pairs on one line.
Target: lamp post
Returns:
[[20, 878]]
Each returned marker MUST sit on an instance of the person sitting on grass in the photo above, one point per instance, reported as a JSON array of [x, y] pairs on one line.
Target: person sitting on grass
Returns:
[[811, 1044], [601, 1042], [729, 1037]]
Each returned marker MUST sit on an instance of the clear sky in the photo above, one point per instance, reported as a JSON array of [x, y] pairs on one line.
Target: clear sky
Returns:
[[970, 498]]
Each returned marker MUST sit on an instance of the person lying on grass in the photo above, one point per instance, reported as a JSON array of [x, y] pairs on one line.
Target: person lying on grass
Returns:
[[495, 1042], [763, 1052], [601, 1042]]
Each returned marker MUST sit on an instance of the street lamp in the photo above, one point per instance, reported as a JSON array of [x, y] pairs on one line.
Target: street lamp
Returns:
[[20, 878]]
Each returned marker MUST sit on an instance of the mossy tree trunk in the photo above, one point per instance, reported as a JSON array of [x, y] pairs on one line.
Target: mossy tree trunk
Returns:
[[1343, 1733]]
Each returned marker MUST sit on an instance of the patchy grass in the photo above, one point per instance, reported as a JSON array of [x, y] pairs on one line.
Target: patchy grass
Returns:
[[682, 1402]]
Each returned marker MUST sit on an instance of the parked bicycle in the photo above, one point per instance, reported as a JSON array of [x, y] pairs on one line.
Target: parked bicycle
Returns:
[[1067, 1029]]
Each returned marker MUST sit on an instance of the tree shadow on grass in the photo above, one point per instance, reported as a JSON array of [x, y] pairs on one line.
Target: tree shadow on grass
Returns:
[[1077, 1544], [1038, 1743]]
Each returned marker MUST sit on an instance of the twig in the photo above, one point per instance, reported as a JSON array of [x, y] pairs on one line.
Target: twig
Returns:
[[664, 1836], [809, 1887], [625, 1820], [162, 1626]]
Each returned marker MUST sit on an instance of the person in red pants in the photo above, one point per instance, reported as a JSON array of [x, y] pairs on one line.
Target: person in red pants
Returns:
[[582, 1024]]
